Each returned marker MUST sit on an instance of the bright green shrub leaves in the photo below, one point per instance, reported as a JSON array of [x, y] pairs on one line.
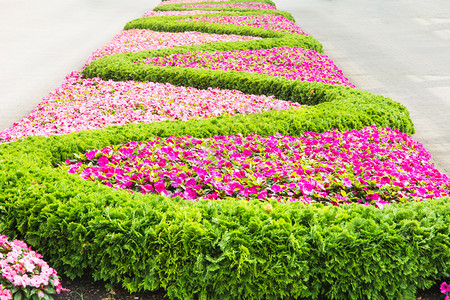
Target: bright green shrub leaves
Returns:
[[213, 249]]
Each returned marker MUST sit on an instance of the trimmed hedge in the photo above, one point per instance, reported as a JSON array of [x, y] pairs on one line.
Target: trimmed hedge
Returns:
[[178, 6], [171, 24], [335, 106], [213, 249], [228, 249]]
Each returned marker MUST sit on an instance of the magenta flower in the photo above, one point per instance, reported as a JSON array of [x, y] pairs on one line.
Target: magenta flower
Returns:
[[445, 289], [103, 161], [243, 5], [271, 22], [159, 186], [275, 188], [311, 168], [347, 182], [152, 13], [292, 63]]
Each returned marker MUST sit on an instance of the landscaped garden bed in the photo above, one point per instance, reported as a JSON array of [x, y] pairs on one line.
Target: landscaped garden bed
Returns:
[[220, 154]]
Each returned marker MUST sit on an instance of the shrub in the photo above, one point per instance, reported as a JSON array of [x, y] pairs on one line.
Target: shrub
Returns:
[[228, 6], [273, 38], [215, 249]]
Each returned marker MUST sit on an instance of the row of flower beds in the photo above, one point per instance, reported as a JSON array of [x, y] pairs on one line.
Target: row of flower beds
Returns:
[[212, 150]]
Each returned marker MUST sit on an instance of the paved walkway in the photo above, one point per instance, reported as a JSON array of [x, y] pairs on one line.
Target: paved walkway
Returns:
[[400, 49], [43, 41]]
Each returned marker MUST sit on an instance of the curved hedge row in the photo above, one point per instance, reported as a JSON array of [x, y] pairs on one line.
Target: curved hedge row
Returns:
[[214, 249], [178, 6], [172, 24], [334, 106], [223, 249]]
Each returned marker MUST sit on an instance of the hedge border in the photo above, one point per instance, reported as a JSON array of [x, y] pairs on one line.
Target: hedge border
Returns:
[[178, 6], [335, 106], [294, 250], [408, 243]]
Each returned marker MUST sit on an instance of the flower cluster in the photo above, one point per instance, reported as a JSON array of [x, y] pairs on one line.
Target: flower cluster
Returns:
[[24, 272], [134, 40], [243, 5], [272, 22], [293, 63], [187, 1], [371, 166], [152, 13], [445, 289], [80, 104]]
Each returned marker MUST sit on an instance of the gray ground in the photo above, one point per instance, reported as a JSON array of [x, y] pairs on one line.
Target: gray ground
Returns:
[[43, 41], [398, 48]]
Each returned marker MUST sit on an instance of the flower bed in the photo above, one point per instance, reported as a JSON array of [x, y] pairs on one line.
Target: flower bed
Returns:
[[24, 275], [243, 5], [371, 166], [152, 13], [135, 40], [271, 22], [292, 63], [187, 1], [83, 104], [274, 247]]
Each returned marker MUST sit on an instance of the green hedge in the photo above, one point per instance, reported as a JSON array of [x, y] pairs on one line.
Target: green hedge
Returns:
[[178, 6], [335, 106], [171, 24], [213, 249]]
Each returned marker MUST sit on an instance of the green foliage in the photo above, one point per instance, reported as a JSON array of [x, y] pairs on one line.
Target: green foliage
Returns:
[[172, 24], [178, 6], [214, 249], [332, 106], [225, 249]]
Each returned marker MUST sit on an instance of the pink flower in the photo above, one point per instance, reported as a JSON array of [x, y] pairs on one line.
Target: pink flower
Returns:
[[445, 288], [275, 188], [347, 182], [103, 161], [310, 168], [160, 186]]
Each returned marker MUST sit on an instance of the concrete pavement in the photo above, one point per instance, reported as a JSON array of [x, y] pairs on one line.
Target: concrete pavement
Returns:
[[43, 41], [400, 49]]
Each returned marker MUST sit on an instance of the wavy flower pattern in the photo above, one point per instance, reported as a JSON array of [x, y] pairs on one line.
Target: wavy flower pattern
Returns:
[[82, 104], [372, 166], [289, 62], [242, 5], [152, 13], [134, 40], [271, 22], [187, 1]]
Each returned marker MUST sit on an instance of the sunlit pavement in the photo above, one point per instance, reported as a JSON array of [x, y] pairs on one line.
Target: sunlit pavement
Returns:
[[400, 49], [43, 41]]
